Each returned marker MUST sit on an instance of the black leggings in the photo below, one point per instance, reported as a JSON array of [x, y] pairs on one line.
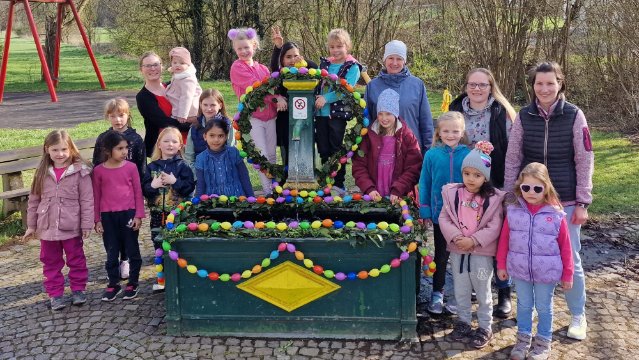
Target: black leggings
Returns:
[[329, 136], [441, 259]]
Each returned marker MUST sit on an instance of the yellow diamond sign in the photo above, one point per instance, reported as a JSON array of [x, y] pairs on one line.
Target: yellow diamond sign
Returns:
[[288, 286]]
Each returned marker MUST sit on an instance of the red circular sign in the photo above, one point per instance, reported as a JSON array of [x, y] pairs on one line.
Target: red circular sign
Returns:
[[300, 104]]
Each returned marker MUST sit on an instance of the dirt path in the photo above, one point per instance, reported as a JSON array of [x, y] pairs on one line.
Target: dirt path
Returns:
[[36, 111]]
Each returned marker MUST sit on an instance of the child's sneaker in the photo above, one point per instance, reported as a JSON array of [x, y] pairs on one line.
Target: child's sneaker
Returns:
[[578, 327], [111, 292], [521, 348], [481, 338], [130, 292], [57, 303], [436, 305], [461, 331], [78, 298], [124, 269], [158, 288], [540, 349]]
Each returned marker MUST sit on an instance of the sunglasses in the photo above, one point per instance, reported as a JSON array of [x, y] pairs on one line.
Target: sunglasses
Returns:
[[538, 189]]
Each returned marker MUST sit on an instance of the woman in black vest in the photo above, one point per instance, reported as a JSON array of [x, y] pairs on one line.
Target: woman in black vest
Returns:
[[489, 117], [554, 132]]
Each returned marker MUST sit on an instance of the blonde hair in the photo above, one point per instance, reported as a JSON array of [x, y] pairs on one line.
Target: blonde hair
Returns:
[[242, 35], [455, 116], [53, 138], [341, 36], [149, 54], [215, 94], [539, 171], [157, 153], [118, 105], [495, 91]]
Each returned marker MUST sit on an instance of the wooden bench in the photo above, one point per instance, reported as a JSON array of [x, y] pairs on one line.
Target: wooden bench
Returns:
[[15, 192]]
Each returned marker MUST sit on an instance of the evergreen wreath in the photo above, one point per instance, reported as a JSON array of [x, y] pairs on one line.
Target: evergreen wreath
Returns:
[[254, 99]]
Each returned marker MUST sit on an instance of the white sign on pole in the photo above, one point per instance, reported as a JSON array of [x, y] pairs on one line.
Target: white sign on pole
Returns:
[[299, 108]]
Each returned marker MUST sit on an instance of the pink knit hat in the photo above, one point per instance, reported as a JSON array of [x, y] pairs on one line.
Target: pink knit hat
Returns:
[[182, 53]]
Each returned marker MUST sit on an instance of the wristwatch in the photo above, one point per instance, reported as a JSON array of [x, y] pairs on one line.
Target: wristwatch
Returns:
[[582, 205]]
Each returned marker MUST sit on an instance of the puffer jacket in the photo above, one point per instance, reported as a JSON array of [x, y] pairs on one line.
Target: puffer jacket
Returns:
[[63, 209]]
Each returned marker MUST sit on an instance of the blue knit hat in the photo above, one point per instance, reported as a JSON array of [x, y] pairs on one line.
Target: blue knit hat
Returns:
[[388, 101]]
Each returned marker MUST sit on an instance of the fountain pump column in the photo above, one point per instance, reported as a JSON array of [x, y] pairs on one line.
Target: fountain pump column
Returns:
[[301, 151]]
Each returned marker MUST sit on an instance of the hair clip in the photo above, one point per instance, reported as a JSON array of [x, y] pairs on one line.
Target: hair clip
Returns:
[[232, 34], [251, 33]]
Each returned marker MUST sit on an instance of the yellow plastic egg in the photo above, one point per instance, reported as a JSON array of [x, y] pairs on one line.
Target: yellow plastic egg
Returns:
[[308, 263], [281, 226], [159, 268], [246, 274], [250, 88], [354, 147], [226, 225], [192, 269], [316, 224]]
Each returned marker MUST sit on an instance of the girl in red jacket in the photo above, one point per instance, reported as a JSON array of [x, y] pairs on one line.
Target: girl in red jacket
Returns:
[[61, 213], [392, 160]]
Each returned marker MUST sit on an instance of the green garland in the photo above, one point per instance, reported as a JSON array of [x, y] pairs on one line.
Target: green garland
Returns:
[[254, 100]]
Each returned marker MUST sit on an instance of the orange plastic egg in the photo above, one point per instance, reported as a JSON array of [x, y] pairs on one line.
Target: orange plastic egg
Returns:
[[362, 275]]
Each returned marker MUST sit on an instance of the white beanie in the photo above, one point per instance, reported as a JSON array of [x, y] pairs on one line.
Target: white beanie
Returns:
[[395, 47]]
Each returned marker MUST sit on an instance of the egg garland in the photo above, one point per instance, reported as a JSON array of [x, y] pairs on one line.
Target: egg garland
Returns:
[[287, 198], [299, 256], [177, 228], [254, 98]]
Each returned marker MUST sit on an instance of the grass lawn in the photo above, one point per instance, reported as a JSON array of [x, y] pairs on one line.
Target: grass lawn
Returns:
[[616, 159]]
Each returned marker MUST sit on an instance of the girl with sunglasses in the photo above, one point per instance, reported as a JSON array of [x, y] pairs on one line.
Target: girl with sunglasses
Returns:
[[534, 249]]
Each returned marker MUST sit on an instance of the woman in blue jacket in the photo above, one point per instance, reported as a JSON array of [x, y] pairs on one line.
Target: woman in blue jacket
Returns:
[[413, 100]]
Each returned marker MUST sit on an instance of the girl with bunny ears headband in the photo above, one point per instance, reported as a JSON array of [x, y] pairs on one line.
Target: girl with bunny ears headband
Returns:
[[245, 34]]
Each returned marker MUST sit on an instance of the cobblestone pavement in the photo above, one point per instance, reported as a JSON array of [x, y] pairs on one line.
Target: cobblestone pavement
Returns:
[[136, 329]]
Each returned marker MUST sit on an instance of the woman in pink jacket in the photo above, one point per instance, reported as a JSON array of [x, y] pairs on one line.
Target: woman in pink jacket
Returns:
[[471, 223], [61, 213]]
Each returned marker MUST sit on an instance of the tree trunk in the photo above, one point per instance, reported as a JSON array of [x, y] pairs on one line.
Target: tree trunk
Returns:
[[196, 14]]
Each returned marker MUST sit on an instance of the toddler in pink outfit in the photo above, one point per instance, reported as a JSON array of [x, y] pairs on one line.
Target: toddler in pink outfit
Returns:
[[184, 90]]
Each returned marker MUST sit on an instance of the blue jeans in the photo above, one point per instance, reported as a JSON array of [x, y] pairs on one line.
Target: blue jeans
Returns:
[[576, 297], [541, 297]]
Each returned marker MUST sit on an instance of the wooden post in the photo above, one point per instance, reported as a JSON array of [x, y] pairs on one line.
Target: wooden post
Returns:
[[11, 181]]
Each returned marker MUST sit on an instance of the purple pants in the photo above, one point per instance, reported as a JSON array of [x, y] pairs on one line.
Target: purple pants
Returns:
[[53, 262]]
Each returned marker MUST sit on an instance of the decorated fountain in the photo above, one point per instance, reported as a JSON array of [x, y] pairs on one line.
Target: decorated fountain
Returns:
[[302, 263]]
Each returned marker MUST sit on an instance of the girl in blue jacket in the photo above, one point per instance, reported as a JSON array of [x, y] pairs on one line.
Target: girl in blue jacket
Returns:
[[442, 165], [168, 180]]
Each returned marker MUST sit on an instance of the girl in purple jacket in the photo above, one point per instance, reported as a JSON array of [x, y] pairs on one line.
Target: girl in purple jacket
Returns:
[[392, 160], [61, 213], [471, 222], [534, 249]]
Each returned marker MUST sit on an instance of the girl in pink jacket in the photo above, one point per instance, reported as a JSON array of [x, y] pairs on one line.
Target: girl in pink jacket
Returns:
[[244, 72], [471, 221], [60, 212]]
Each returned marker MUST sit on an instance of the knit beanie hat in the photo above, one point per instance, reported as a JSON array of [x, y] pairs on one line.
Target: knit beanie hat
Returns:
[[181, 52], [388, 101], [479, 158], [395, 47]]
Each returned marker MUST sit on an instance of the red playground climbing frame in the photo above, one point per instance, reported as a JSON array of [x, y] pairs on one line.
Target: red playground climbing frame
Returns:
[[51, 83]]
